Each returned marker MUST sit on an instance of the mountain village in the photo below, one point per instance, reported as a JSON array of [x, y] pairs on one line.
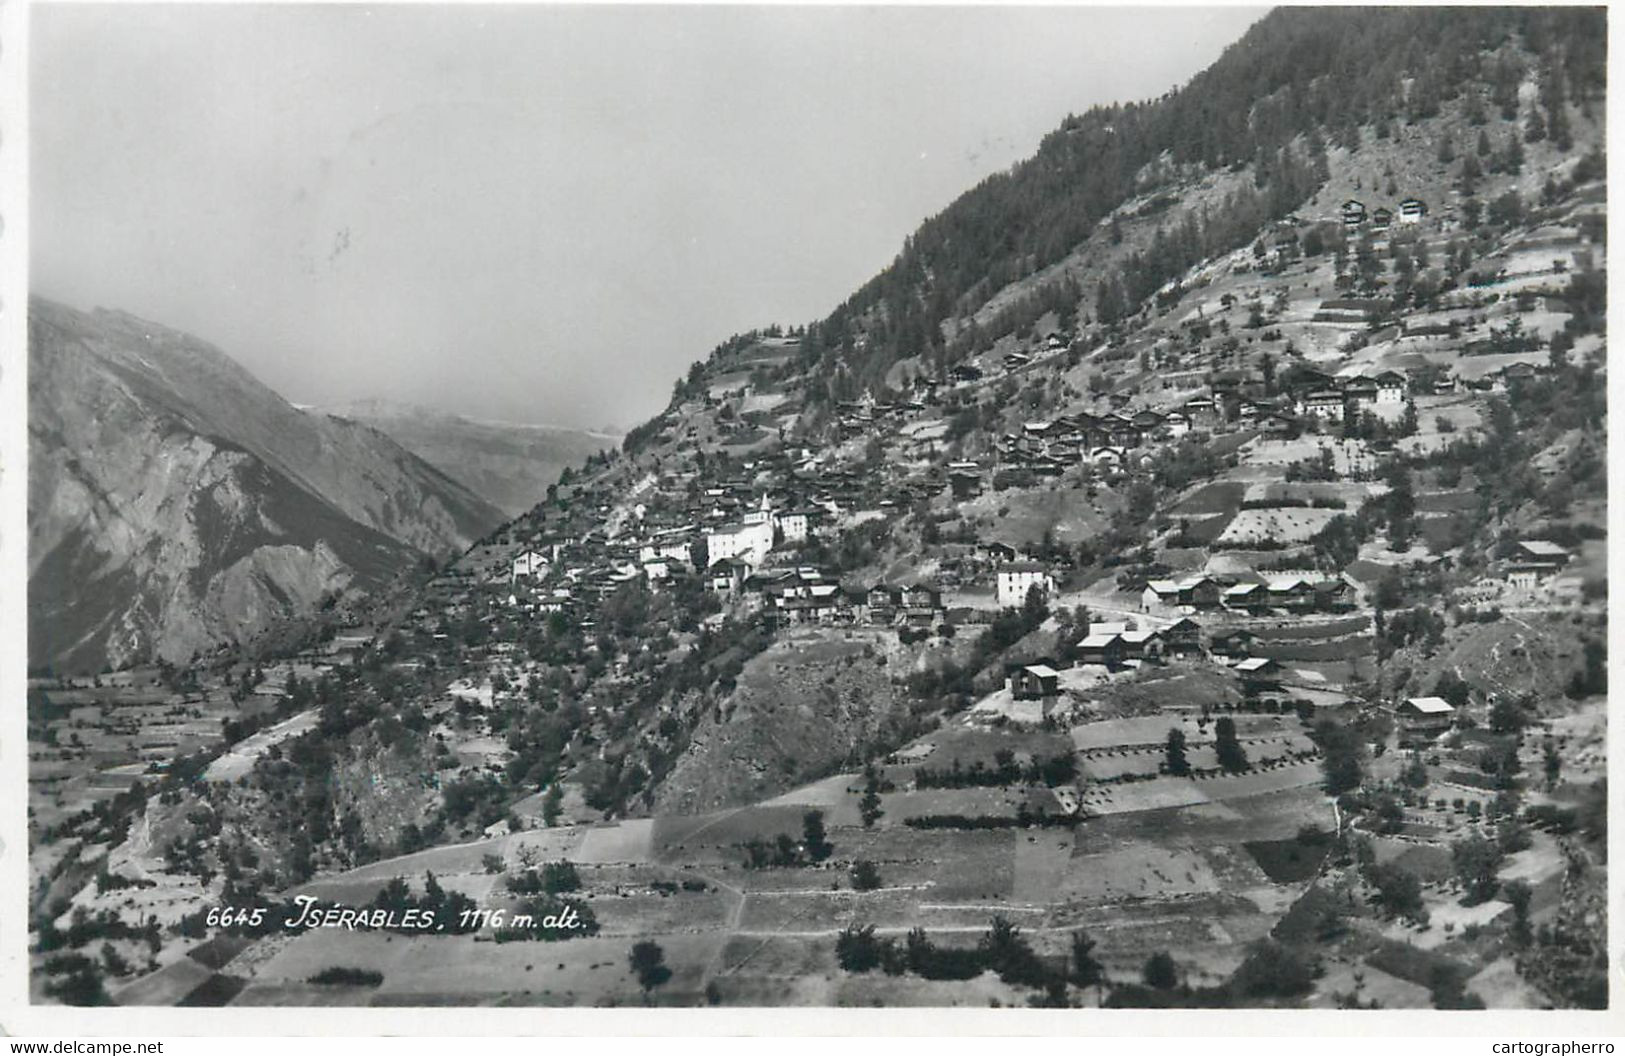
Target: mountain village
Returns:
[[1246, 649]]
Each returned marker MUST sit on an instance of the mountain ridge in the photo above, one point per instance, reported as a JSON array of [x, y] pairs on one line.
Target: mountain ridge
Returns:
[[146, 443], [380, 407], [509, 465]]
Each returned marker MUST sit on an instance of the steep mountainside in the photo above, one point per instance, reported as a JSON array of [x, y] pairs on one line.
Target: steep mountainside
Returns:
[[187, 504], [1247, 141], [510, 466], [800, 710], [1191, 249]]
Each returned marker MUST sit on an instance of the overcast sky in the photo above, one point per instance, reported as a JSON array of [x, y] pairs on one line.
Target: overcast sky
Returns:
[[537, 214]]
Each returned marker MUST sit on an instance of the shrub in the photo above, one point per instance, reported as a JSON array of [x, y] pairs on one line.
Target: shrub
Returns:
[[865, 875], [337, 976]]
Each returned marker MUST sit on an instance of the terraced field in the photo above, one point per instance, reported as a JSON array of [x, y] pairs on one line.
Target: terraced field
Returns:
[[1153, 863]]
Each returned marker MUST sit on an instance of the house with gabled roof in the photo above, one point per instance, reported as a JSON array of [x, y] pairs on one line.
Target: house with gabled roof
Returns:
[[1534, 561], [1013, 582], [1334, 594], [1200, 592], [1159, 594], [1125, 434], [1259, 675], [1144, 644], [1392, 387], [1103, 649], [1182, 638], [1290, 592], [1202, 411], [1107, 459], [1359, 394], [1246, 597], [1236, 643], [532, 564], [1034, 682], [1326, 404], [919, 605], [1423, 718], [727, 576], [1278, 426]]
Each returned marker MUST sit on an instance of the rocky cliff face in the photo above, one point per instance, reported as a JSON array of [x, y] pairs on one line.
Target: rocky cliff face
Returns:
[[510, 466], [176, 503]]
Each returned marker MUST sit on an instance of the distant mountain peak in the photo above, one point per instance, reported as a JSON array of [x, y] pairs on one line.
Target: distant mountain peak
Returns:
[[510, 464], [382, 407]]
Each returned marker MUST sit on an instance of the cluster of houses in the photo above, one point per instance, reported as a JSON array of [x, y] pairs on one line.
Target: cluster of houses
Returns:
[[867, 414], [1114, 644], [1105, 441], [1108, 441], [1249, 592], [1118, 645], [689, 523], [1347, 397], [1355, 214], [728, 535], [861, 417], [972, 373], [808, 595]]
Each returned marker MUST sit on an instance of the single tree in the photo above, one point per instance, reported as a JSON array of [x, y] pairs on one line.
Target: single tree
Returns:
[[648, 964], [1399, 891], [1160, 972], [552, 804], [1232, 757], [1340, 756], [865, 875], [1176, 763], [1054, 995], [857, 949], [1506, 716], [1477, 859], [1518, 893], [1086, 970], [812, 836], [869, 806]]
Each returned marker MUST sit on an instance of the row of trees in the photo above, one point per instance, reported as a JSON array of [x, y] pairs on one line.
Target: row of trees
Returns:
[[1270, 969], [784, 851], [1232, 757]]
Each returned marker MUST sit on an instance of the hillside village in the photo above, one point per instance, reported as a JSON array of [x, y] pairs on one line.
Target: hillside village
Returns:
[[1243, 646]]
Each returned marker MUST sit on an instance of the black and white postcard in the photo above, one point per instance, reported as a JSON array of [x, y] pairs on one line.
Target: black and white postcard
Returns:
[[812, 508]]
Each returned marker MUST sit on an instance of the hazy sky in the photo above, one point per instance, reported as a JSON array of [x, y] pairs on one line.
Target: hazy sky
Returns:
[[537, 214]]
